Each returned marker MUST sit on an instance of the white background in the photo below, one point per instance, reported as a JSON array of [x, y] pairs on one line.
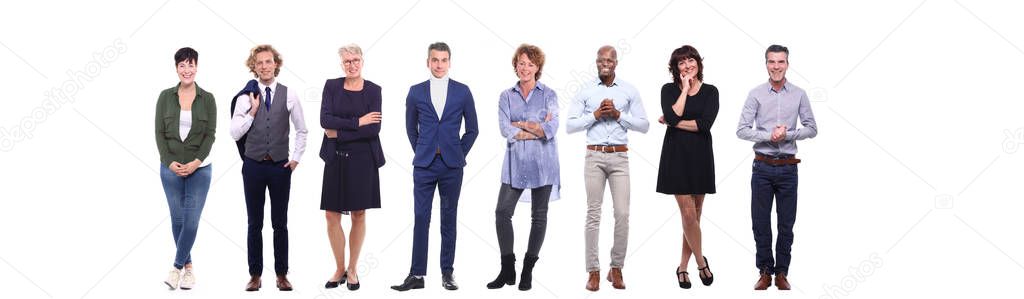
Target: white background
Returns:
[[910, 189]]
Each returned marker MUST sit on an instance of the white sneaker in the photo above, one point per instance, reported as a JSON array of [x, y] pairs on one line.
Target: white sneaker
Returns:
[[187, 280], [172, 279]]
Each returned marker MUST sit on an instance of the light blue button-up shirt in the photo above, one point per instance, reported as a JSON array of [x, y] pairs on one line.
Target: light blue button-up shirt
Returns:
[[766, 107], [529, 163], [608, 131]]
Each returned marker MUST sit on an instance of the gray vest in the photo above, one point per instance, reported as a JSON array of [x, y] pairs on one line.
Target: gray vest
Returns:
[[268, 134]]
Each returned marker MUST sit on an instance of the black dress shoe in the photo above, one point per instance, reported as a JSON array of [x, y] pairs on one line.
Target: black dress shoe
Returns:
[[706, 280], [685, 283], [334, 284], [351, 286], [411, 282], [448, 282]]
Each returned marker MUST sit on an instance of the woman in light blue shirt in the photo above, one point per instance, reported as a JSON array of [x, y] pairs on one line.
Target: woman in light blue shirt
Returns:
[[528, 119]]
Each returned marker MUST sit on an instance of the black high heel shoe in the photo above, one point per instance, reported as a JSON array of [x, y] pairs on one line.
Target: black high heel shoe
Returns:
[[334, 284], [685, 283], [709, 279], [351, 286]]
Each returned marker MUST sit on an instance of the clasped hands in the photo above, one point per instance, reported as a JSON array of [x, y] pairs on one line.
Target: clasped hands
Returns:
[[607, 110]]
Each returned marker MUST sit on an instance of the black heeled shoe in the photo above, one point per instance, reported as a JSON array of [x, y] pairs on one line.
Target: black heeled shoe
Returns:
[[685, 283], [351, 286], [334, 284], [709, 279]]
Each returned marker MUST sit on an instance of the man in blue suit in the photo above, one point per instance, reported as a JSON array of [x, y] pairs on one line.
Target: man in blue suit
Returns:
[[434, 110]]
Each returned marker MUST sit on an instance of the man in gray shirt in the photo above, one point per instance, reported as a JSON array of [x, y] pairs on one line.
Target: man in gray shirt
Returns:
[[769, 119]]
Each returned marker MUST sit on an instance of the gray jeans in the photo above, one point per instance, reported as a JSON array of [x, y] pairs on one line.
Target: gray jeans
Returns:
[[507, 199], [600, 167]]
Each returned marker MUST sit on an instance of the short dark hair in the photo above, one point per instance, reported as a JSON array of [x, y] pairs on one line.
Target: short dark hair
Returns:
[[776, 49], [680, 54], [186, 54], [441, 47]]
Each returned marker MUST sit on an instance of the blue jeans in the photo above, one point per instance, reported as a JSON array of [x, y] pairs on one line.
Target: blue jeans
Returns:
[[185, 198], [769, 182]]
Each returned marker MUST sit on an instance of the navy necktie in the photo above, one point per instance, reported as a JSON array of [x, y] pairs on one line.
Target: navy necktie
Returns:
[[267, 102]]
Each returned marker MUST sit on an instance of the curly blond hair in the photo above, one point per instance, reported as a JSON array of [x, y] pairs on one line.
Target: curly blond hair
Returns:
[[251, 61]]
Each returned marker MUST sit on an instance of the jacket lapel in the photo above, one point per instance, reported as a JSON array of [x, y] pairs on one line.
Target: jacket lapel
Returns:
[[448, 100]]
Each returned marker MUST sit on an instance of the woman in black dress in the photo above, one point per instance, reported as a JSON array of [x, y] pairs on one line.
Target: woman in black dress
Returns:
[[687, 168], [350, 116]]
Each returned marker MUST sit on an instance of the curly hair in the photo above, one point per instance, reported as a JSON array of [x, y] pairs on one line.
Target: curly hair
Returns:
[[251, 61], [534, 54]]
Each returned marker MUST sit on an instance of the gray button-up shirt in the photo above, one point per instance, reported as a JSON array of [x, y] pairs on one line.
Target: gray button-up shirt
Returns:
[[766, 107]]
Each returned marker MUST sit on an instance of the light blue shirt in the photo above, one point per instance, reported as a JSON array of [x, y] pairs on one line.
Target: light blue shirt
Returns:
[[608, 131], [529, 163], [766, 107]]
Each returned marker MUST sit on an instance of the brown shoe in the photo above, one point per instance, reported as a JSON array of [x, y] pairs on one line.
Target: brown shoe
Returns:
[[763, 282], [781, 282], [594, 282], [615, 277], [283, 284], [254, 284]]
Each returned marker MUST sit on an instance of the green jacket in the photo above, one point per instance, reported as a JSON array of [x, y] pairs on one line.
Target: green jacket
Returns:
[[200, 138]]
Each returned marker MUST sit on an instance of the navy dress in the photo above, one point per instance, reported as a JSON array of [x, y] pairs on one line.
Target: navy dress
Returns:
[[687, 159], [351, 161]]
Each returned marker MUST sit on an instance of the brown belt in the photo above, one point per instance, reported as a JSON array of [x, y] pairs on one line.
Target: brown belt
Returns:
[[774, 161], [608, 148], [267, 158]]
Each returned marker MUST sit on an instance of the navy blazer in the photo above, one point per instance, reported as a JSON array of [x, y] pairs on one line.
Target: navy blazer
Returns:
[[428, 133], [348, 125]]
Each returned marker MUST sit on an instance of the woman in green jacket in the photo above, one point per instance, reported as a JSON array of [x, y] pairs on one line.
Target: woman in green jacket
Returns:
[[185, 124]]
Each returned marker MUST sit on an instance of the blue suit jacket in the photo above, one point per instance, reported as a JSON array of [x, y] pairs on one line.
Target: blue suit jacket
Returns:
[[428, 132]]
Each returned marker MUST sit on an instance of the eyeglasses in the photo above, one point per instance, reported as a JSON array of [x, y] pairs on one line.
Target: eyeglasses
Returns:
[[349, 62]]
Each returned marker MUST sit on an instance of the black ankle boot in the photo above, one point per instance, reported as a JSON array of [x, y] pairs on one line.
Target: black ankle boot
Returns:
[[507, 276], [526, 280]]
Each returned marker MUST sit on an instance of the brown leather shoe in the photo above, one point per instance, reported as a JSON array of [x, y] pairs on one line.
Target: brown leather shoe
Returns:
[[781, 282], [254, 284], [615, 277], [283, 284], [594, 282], [763, 282]]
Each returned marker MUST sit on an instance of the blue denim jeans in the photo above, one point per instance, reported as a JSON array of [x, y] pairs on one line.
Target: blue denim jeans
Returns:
[[767, 184], [185, 198]]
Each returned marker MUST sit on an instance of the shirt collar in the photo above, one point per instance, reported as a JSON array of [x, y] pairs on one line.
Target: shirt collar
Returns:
[[785, 86], [615, 82], [199, 91], [273, 86], [439, 80], [519, 89]]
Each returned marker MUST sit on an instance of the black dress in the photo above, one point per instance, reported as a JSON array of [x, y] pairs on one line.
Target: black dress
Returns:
[[687, 160], [351, 178]]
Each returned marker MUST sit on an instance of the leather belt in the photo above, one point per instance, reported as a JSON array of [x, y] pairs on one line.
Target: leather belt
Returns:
[[776, 161], [608, 148]]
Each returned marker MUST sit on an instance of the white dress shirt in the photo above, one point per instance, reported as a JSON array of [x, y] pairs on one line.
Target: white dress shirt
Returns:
[[438, 93], [241, 121]]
